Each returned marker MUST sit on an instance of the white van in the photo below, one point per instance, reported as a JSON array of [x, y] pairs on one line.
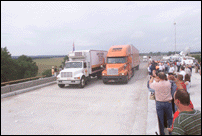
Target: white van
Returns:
[[145, 59]]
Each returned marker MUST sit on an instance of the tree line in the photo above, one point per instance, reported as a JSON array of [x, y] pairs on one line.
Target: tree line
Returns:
[[13, 69]]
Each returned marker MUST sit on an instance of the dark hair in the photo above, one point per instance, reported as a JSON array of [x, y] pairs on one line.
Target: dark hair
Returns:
[[180, 77], [183, 97], [162, 75], [182, 67], [187, 77], [170, 74]]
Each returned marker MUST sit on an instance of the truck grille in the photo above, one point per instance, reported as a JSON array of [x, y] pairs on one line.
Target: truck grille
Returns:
[[112, 71], [66, 74]]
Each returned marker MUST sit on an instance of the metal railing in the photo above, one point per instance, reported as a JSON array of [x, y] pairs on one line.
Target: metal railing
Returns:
[[19, 80]]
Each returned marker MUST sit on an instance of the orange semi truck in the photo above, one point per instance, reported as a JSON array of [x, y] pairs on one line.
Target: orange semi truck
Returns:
[[122, 60]]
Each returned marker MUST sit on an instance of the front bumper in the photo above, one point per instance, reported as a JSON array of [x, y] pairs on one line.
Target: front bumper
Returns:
[[114, 78], [68, 81]]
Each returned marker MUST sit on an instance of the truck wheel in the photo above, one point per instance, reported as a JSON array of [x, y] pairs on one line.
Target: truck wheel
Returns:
[[82, 82], [126, 81], [99, 75], [133, 72], [61, 85]]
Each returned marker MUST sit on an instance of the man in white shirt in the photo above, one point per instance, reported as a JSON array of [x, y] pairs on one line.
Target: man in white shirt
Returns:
[[172, 69], [182, 72], [160, 67], [187, 70]]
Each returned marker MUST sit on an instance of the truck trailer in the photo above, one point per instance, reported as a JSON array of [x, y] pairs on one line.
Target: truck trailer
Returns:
[[81, 66], [122, 60]]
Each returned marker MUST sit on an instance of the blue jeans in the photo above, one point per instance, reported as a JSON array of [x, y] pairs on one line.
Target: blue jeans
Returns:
[[151, 90], [161, 108]]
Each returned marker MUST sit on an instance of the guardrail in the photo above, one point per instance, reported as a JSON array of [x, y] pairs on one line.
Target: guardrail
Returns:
[[27, 84], [19, 80]]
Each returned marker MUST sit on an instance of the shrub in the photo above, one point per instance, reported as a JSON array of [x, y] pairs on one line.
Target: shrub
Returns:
[[197, 57], [47, 73]]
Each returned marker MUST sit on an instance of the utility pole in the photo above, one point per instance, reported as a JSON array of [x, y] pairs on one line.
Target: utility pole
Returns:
[[175, 36]]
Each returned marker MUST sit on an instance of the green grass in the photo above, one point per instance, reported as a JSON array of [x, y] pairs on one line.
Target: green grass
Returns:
[[44, 64]]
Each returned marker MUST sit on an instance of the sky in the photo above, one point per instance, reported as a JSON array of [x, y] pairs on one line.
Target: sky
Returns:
[[51, 27]]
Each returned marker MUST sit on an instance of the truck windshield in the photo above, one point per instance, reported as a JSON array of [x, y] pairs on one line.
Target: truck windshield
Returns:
[[73, 65], [116, 60]]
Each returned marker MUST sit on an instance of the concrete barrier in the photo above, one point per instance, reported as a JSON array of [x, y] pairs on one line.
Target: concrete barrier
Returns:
[[19, 86]]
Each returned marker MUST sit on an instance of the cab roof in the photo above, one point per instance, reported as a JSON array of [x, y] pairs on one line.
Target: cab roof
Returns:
[[119, 51]]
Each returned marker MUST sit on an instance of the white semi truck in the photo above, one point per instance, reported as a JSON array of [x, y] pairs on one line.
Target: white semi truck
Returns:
[[81, 66]]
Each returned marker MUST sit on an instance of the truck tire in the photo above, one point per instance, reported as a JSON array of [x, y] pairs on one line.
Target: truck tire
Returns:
[[126, 81], [133, 72], [82, 82], [61, 85], [99, 75]]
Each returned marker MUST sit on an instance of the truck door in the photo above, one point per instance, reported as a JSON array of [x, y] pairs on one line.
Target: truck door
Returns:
[[85, 69]]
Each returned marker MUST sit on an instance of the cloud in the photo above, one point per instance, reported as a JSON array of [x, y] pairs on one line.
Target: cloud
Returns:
[[138, 35]]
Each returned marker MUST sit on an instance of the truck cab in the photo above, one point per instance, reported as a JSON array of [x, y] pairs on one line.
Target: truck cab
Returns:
[[121, 62], [80, 67]]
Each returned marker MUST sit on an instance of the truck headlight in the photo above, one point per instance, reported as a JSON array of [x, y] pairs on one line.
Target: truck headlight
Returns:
[[103, 74], [76, 77], [122, 74]]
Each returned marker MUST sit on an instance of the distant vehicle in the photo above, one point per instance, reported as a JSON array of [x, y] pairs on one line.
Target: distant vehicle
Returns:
[[145, 58], [81, 66], [187, 61], [122, 60]]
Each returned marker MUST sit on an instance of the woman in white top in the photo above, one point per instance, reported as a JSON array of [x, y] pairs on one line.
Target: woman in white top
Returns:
[[187, 82]]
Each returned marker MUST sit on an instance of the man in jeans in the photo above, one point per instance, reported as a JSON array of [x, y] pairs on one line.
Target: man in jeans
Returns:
[[163, 100]]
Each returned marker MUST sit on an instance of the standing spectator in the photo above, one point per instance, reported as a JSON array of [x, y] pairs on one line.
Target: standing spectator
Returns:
[[149, 69], [163, 67], [154, 80], [160, 67], [171, 78], [187, 82], [187, 70], [166, 67], [171, 69], [52, 70], [60, 69], [190, 67], [182, 72], [55, 71], [178, 66], [180, 81], [188, 121], [163, 100], [152, 68], [157, 68], [196, 67], [150, 59], [175, 65]]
